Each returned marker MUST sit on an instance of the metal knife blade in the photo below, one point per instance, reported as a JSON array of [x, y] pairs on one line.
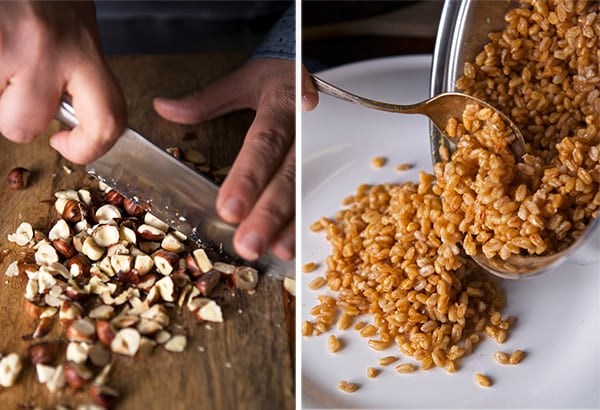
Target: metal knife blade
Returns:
[[178, 195]]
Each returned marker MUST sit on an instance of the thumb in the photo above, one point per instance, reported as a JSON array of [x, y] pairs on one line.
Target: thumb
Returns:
[[310, 96], [223, 96]]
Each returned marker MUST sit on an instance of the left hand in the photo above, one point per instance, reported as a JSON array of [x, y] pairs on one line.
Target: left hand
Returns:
[[259, 192]]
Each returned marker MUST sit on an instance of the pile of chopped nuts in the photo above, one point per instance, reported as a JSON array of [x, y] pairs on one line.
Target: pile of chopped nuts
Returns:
[[110, 273]]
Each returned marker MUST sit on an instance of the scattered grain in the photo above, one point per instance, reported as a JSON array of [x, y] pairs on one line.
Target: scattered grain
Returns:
[[317, 283], [334, 344], [348, 387], [403, 167], [516, 357], [384, 361], [501, 357], [309, 267], [372, 372], [406, 368], [378, 162], [483, 380]]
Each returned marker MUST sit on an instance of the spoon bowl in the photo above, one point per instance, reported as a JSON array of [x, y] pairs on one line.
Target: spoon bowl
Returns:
[[440, 109]]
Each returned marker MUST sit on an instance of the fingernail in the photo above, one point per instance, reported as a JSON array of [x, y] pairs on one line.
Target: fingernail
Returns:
[[285, 248], [252, 246], [233, 210]]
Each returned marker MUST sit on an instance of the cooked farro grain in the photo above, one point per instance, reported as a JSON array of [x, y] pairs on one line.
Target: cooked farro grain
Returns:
[[309, 267], [378, 162], [359, 325], [403, 167], [501, 357], [317, 283], [372, 372], [482, 380], [348, 387], [406, 368], [378, 344], [384, 361], [316, 226], [368, 331], [344, 321], [334, 344], [516, 357], [307, 328]]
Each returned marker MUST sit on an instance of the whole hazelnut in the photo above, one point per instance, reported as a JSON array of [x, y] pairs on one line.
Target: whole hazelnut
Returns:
[[76, 375], [43, 352], [18, 177], [64, 247], [74, 211], [104, 396], [114, 198]]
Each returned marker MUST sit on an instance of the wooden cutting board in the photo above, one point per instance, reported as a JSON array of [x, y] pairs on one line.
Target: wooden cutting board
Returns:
[[247, 362]]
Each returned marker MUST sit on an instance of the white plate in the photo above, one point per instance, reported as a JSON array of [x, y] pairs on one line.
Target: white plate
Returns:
[[558, 313]]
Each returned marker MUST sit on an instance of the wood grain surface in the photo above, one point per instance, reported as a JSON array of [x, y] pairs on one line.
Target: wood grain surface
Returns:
[[247, 362]]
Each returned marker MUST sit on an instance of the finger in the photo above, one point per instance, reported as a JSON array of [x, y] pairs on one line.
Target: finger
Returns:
[[26, 107], [284, 246], [271, 215], [310, 96], [101, 111], [266, 144], [223, 96]]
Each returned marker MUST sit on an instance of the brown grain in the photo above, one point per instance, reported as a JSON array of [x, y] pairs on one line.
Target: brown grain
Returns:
[[348, 387], [334, 344], [317, 283], [406, 368], [378, 162], [384, 361], [516, 357], [309, 267], [483, 380], [403, 167], [501, 357], [372, 372]]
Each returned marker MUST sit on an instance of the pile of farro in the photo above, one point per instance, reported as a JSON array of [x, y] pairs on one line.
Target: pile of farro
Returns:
[[397, 249], [542, 71]]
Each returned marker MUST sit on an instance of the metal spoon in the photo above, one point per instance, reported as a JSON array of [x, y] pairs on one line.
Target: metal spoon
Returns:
[[439, 109]]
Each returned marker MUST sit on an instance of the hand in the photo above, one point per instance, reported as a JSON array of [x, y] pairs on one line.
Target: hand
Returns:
[[259, 192], [310, 96], [48, 49]]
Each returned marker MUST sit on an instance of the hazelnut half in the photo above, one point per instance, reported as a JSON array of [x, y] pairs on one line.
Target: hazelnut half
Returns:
[[103, 395]]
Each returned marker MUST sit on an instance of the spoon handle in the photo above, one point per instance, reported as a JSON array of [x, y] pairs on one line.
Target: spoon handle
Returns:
[[334, 91]]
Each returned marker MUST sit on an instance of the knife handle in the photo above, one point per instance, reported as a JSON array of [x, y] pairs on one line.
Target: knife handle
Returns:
[[66, 114]]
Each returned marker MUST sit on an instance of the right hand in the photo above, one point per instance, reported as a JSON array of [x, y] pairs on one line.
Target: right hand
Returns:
[[47, 50]]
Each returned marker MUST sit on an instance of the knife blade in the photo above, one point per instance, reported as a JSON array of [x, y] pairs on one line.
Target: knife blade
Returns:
[[178, 195]]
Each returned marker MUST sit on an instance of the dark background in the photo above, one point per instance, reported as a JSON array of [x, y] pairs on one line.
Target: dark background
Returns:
[[340, 32], [192, 26]]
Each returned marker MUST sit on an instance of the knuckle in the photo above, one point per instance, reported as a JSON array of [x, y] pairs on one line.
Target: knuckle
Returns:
[[249, 182], [274, 215], [268, 142]]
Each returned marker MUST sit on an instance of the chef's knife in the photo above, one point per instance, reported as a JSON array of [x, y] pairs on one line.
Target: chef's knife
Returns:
[[176, 194]]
